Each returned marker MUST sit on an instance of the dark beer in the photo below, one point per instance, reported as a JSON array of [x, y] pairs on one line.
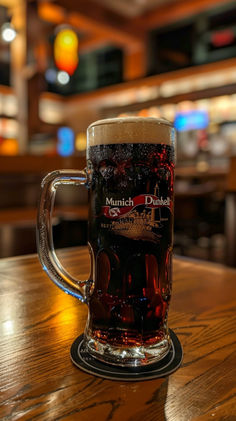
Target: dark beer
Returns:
[[130, 176], [130, 234]]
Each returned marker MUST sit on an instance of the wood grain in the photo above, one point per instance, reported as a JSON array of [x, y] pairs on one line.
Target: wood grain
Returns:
[[39, 322]]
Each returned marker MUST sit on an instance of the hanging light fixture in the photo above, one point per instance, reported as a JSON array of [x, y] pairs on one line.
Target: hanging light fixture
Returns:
[[66, 50], [8, 32], [63, 77]]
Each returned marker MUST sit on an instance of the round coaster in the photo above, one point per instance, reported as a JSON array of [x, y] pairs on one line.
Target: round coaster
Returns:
[[171, 362]]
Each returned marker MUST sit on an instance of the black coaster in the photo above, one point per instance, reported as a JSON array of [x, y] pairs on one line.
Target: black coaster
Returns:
[[171, 362]]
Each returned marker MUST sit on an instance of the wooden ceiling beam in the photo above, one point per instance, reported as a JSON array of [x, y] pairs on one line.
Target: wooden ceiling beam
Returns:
[[114, 35], [92, 43], [51, 13], [84, 19], [135, 61], [135, 64], [101, 27], [179, 10], [57, 15]]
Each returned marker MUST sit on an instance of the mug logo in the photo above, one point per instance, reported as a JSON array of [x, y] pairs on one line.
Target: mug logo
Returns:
[[114, 212], [118, 208]]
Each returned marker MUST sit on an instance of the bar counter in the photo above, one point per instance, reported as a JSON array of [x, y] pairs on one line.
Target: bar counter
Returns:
[[39, 322]]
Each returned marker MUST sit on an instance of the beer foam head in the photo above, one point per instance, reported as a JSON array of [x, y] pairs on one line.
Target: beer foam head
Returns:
[[130, 130]]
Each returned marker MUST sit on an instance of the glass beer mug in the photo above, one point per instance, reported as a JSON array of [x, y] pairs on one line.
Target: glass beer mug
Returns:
[[130, 176]]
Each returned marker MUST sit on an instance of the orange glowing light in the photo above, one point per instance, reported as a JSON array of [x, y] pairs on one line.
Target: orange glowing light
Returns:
[[9, 147], [66, 51], [81, 141], [50, 12], [143, 113]]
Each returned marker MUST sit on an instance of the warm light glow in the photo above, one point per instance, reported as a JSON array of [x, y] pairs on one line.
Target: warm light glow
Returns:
[[143, 113], [124, 115], [67, 38], [9, 128], [8, 32], [146, 93], [8, 327], [168, 111], [51, 12], [81, 142], [9, 147], [185, 106], [51, 111], [168, 89], [66, 51], [154, 112], [202, 166], [10, 105]]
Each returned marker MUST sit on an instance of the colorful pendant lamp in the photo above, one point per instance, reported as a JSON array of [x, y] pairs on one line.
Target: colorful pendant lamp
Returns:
[[66, 51]]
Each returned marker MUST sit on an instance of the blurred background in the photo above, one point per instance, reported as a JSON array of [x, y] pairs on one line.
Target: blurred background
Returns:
[[66, 63]]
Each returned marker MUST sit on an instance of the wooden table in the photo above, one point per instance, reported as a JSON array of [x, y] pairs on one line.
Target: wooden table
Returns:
[[39, 322]]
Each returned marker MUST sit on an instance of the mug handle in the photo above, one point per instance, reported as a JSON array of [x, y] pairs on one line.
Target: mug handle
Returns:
[[44, 235]]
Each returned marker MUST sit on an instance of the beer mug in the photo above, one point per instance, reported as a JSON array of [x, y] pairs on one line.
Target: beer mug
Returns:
[[130, 176]]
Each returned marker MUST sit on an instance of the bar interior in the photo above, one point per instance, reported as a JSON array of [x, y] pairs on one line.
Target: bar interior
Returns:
[[67, 63], [64, 66]]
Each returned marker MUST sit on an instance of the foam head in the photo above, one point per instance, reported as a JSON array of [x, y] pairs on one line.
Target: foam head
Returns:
[[130, 130]]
